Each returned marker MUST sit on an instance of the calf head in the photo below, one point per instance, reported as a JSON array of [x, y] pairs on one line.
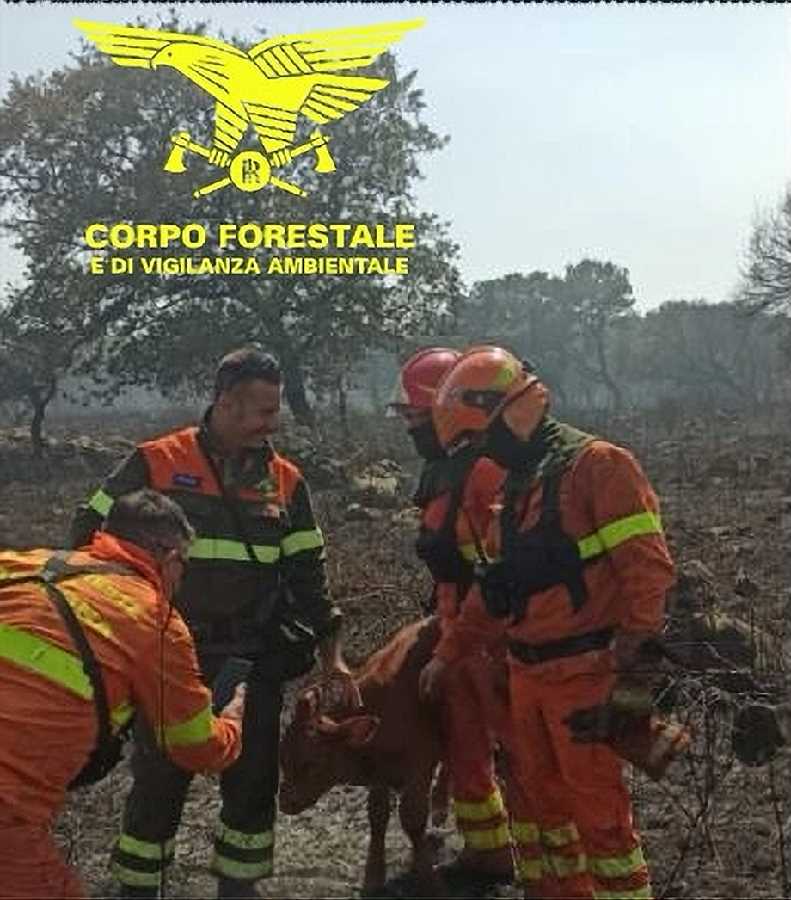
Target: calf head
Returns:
[[319, 750]]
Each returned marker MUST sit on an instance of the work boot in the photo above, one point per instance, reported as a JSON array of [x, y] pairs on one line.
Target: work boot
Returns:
[[480, 868], [236, 889]]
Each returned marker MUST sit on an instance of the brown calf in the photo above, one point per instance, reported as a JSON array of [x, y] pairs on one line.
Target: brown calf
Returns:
[[392, 743]]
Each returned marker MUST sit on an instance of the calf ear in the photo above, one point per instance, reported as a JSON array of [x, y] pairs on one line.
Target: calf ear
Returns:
[[359, 730]]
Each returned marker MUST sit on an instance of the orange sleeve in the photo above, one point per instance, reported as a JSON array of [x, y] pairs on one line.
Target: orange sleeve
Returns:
[[178, 705], [625, 514]]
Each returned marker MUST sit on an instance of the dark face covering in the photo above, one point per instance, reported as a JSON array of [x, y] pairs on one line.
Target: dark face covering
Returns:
[[425, 440], [508, 451]]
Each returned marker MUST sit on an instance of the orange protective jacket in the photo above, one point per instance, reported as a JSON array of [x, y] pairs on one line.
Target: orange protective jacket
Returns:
[[606, 504], [48, 724]]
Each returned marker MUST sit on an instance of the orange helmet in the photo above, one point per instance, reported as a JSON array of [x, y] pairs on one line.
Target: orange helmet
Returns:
[[419, 377], [477, 389]]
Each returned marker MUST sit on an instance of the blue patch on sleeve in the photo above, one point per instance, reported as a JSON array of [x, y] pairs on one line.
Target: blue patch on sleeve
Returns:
[[184, 479]]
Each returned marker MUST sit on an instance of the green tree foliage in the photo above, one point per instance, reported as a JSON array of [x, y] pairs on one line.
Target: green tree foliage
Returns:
[[87, 143], [712, 354], [560, 324], [599, 294]]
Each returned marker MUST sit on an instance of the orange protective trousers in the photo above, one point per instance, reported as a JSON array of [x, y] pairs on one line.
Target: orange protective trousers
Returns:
[[577, 840], [469, 748], [475, 717], [31, 866]]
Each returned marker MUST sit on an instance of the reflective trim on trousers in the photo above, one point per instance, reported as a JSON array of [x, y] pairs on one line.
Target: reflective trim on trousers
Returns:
[[133, 878], [566, 866], [146, 849], [241, 854], [529, 869], [618, 866], [243, 840], [529, 851], [479, 811], [525, 832], [221, 865], [560, 836], [487, 839]]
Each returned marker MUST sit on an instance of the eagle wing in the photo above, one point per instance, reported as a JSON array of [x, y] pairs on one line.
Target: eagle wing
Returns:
[[129, 46], [316, 54], [328, 51]]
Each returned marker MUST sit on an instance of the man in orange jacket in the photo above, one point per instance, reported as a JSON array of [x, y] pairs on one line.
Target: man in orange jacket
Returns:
[[120, 590], [578, 571], [454, 496]]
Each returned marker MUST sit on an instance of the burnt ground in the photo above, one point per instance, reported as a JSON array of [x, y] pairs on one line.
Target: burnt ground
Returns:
[[712, 828]]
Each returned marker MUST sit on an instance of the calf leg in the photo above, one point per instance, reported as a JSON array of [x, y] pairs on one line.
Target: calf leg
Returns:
[[378, 817], [413, 812]]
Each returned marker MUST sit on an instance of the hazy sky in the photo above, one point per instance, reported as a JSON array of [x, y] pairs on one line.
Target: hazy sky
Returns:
[[649, 135]]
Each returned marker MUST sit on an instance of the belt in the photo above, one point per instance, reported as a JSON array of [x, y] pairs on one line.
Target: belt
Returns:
[[580, 643]]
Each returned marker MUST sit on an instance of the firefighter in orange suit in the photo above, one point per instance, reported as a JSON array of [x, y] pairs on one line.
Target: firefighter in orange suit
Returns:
[[577, 570], [146, 659], [255, 588], [454, 496]]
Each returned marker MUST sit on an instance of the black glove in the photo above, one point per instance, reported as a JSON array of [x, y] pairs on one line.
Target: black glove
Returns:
[[756, 736]]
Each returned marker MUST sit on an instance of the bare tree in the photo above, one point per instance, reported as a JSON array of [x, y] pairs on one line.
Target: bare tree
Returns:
[[768, 273]]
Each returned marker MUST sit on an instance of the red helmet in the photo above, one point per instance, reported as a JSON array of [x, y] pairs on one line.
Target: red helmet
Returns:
[[419, 377]]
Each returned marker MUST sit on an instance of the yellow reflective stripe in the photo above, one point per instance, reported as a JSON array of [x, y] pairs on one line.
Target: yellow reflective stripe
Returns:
[[609, 536], [477, 812], [564, 866], [529, 869], [45, 659], [101, 502], [146, 849], [122, 713], [525, 832], [222, 548], [302, 540], [561, 836], [487, 839], [469, 552], [244, 840], [133, 878], [643, 893], [618, 866], [195, 730], [221, 865]]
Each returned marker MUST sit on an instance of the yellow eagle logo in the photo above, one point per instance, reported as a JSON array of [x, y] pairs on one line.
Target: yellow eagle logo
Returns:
[[267, 87]]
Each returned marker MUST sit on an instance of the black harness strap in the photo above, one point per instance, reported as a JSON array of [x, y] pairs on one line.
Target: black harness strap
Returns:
[[439, 548], [57, 569]]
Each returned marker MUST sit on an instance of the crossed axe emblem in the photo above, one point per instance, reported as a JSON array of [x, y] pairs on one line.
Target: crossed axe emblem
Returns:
[[249, 170]]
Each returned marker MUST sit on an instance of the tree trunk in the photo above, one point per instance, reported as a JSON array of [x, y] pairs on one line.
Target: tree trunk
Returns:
[[294, 390], [39, 401], [343, 409], [609, 381]]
